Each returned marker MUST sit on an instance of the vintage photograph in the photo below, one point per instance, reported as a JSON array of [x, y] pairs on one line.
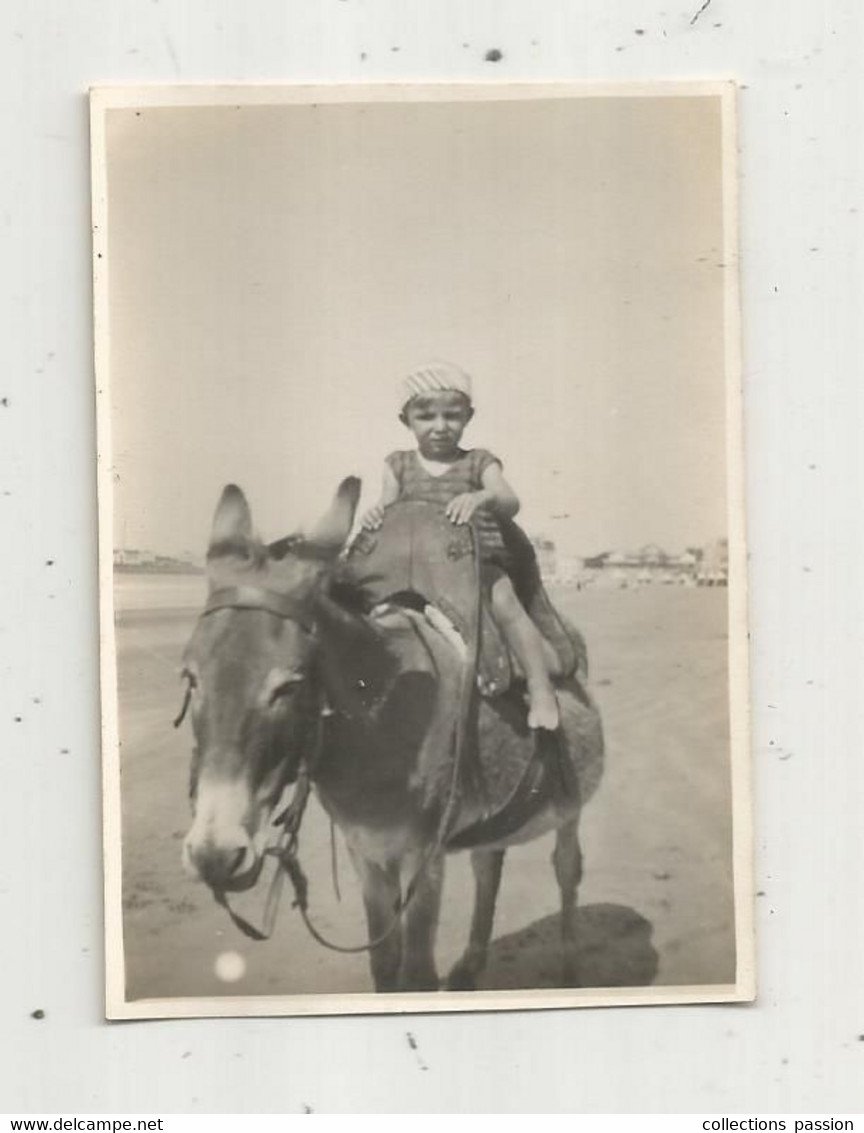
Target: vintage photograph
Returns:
[[422, 555]]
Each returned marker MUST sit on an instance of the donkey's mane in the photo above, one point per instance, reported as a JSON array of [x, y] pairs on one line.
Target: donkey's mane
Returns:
[[359, 662], [300, 547]]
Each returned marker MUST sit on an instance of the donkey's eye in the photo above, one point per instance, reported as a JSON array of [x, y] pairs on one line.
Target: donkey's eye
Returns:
[[285, 689]]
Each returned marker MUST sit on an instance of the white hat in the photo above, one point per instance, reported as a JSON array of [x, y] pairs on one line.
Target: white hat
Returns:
[[434, 377]]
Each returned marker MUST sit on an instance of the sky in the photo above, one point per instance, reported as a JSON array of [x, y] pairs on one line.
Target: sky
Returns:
[[275, 270]]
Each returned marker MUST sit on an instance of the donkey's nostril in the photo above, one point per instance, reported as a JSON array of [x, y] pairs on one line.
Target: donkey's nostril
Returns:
[[218, 864], [235, 861]]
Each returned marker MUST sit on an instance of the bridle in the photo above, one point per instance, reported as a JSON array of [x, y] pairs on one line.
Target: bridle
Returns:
[[284, 606], [249, 598], [286, 849]]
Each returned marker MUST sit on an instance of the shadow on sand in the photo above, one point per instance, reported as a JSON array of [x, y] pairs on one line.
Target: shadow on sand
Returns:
[[615, 950]]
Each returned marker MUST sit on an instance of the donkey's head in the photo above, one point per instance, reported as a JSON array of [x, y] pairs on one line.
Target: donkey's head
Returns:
[[249, 675]]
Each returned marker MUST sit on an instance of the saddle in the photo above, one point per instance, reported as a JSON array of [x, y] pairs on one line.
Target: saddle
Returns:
[[420, 560], [419, 557]]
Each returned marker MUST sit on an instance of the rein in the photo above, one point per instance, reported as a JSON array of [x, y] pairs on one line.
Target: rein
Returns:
[[286, 850]]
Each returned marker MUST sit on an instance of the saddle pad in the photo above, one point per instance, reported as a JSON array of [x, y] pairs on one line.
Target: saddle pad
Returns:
[[503, 784]]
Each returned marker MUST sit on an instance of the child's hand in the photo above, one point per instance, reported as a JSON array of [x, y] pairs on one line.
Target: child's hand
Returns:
[[462, 508], [373, 518]]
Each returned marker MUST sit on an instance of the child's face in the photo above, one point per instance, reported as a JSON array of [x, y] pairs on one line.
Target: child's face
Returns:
[[438, 421]]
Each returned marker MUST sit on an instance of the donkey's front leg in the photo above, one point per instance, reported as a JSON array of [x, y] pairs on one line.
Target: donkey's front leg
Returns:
[[487, 865], [421, 927], [381, 897]]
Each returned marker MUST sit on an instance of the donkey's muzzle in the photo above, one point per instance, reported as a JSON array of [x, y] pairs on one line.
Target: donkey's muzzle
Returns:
[[224, 866]]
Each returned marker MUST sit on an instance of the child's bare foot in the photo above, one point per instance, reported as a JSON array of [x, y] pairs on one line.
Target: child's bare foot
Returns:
[[543, 710]]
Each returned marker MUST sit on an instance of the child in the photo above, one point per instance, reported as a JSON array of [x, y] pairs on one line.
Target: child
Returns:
[[436, 406]]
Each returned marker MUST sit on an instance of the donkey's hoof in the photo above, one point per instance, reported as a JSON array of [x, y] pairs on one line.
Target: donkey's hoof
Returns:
[[461, 978]]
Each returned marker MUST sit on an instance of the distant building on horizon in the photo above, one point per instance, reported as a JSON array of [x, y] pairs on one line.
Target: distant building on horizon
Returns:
[[131, 558], [652, 564], [714, 565]]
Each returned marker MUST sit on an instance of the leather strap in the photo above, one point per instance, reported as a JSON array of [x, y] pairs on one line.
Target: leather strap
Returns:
[[548, 776], [256, 598]]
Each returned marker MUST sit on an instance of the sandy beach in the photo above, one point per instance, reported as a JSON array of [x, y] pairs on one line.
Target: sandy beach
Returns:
[[656, 903]]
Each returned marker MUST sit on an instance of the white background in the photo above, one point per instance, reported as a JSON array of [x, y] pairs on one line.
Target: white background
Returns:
[[801, 140]]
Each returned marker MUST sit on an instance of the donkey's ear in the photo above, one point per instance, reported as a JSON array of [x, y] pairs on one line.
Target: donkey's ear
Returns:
[[232, 523], [334, 527]]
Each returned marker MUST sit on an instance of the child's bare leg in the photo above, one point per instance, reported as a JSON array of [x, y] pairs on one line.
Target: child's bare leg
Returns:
[[526, 642]]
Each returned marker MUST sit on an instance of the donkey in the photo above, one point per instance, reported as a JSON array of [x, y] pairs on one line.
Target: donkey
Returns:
[[284, 666]]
